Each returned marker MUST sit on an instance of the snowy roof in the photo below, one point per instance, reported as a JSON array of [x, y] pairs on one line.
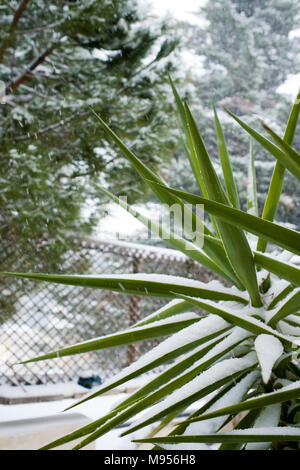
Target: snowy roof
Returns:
[[132, 249]]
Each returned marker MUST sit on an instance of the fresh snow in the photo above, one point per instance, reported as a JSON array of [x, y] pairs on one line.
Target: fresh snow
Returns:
[[143, 248], [294, 318], [268, 350], [237, 335], [271, 313], [287, 329], [93, 409], [292, 386], [162, 309], [275, 431], [245, 313], [181, 10], [230, 339], [283, 259], [277, 286], [68, 389], [295, 259], [285, 256], [169, 279], [165, 321], [234, 395]]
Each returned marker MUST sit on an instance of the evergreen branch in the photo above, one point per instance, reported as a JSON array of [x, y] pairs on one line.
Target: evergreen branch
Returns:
[[25, 76], [18, 13]]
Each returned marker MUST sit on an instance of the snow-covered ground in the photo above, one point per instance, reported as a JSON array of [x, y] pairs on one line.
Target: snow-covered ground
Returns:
[[92, 409], [186, 11], [121, 225]]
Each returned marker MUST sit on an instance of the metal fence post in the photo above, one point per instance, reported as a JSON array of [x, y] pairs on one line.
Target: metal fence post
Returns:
[[134, 313]]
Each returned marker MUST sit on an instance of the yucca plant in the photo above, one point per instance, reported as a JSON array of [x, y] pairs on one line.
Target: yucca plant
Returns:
[[238, 363]]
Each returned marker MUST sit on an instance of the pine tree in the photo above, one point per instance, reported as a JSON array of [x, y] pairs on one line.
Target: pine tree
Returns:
[[247, 54], [57, 59]]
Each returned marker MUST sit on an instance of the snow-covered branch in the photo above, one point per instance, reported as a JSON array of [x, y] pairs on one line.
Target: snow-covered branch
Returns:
[[18, 13], [27, 74]]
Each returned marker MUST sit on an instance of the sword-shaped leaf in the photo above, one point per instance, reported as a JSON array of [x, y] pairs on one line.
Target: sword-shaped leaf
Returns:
[[283, 270], [234, 240], [276, 184], [185, 364], [181, 427], [171, 308], [280, 294], [192, 364], [145, 173], [130, 336], [268, 417], [268, 434], [281, 236], [290, 392], [263, 141], [211, 327], [234, 394], [190, 150]]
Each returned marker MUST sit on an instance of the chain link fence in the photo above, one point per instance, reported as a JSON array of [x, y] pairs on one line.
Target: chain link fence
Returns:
[[36, 318]]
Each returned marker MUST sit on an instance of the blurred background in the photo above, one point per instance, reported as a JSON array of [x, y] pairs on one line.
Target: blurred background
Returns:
[[58, 58]]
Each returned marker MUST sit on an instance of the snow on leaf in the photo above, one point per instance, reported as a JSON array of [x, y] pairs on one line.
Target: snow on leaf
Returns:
[[268, 350], [234, 395]]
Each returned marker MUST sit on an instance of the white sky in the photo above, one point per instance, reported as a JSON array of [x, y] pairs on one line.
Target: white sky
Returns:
[[181, 9]]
